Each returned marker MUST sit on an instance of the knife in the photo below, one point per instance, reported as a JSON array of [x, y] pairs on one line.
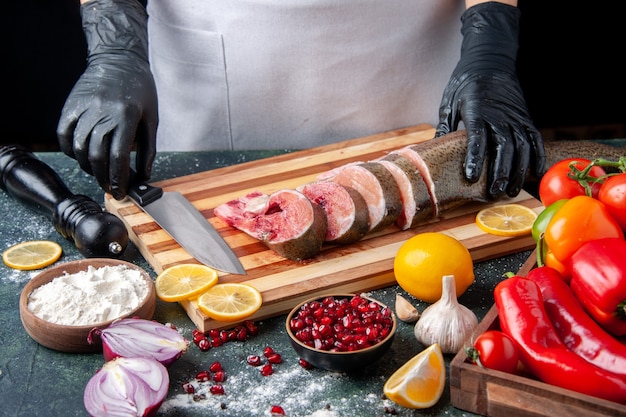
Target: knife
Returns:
[[186, 225]]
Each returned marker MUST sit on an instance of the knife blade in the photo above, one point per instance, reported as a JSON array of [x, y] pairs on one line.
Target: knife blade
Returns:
[[187, 226]]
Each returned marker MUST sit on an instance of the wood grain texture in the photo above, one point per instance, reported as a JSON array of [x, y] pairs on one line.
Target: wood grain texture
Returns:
[[362, 266]]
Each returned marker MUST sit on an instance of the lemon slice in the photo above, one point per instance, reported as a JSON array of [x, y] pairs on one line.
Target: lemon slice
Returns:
[[506, 220], [230, 301], [420, 382], [184, 281], [34, 254]]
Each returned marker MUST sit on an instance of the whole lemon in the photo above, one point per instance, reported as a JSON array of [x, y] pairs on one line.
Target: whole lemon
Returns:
[[423, 260]]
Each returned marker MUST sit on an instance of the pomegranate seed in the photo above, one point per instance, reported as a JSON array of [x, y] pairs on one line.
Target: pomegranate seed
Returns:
[[326, 320], [204, 345], [277, 410], [213, 333], [232, 335], [203, 376], [216, 367], [296, 324], [254, 360], [242, 334], [267, 369], [219, 376], [189, 388], [303, 363], [343, 324], [216, 341], [267, 351], [252, 327], [325, 330], [274, 358], [372, 334], [304, 335], [198, 337], [224, 336], [217, 389]]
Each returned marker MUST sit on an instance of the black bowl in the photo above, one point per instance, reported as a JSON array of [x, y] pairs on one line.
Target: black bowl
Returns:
[[340, 361]]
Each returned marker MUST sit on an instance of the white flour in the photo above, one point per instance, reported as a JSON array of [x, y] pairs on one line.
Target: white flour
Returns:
[[89, 297]]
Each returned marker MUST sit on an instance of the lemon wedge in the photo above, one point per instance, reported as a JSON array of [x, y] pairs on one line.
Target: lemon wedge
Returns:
[[420, 382]]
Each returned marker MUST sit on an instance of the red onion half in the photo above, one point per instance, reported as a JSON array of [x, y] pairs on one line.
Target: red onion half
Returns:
[[127, 387], [136, 337]]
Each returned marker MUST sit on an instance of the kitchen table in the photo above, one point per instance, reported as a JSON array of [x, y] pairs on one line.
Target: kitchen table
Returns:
[[37, 381]]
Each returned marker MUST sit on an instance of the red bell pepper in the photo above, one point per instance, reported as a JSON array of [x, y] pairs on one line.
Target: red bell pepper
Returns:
[[579, 220], [598, 271], [524, 318], [578, 331]]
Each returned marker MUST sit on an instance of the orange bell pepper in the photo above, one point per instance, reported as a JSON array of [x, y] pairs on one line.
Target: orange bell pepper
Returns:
[[579, 220]]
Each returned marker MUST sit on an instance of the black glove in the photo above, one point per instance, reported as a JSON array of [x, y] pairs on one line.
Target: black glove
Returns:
[[112, 109], [484, 92]]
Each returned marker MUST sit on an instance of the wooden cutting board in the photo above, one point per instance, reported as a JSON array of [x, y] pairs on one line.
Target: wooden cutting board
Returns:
[[363, 266]]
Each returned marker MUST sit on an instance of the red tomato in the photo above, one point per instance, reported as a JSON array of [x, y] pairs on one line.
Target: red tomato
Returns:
[[613, 195], [556, 183], [494, 349]]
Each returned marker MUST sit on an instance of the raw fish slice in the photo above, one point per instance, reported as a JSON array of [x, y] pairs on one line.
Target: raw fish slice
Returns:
[[286, 221], [378, 188], [246, 207], [346, 211], [416, 203], [440, 162]]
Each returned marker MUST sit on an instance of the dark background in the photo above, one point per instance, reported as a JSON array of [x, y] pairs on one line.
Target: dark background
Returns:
[[570, 67]]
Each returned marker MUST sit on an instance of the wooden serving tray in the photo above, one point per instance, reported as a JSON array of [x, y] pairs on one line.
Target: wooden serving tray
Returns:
[[362, 266], [499, 394]]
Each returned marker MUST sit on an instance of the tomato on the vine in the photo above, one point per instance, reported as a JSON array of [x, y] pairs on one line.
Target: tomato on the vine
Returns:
[[556, 183], [613, 194], [494, 349]]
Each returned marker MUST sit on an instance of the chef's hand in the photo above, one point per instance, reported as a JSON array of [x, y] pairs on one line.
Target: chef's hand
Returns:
[[112, 109], [485, 94]]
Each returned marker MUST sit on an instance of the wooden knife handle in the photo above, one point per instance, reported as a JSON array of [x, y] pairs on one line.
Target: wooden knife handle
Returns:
[[95, 232]]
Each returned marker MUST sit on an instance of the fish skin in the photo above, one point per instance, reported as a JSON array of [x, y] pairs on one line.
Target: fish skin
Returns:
[[286, 221], [557, 150], [416, 202], [346, 210], [442, 170], [443, 160], [306, 245], [379, 189], [440, 164]]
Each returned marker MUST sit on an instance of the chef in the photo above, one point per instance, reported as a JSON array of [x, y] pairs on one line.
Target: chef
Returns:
[[292, 74]]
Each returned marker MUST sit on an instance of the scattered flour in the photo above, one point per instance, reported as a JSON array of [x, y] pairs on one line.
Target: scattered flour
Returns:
[[89, 297]]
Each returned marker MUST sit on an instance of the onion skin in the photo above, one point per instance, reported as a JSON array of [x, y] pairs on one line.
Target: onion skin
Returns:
[[133, 387], [136, 337]]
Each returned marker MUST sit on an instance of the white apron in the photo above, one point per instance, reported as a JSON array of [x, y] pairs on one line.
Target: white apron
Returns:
[[293, 74]]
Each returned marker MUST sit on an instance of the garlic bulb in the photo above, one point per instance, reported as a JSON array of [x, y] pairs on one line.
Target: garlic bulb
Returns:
[[405, 311], [446, 321]]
